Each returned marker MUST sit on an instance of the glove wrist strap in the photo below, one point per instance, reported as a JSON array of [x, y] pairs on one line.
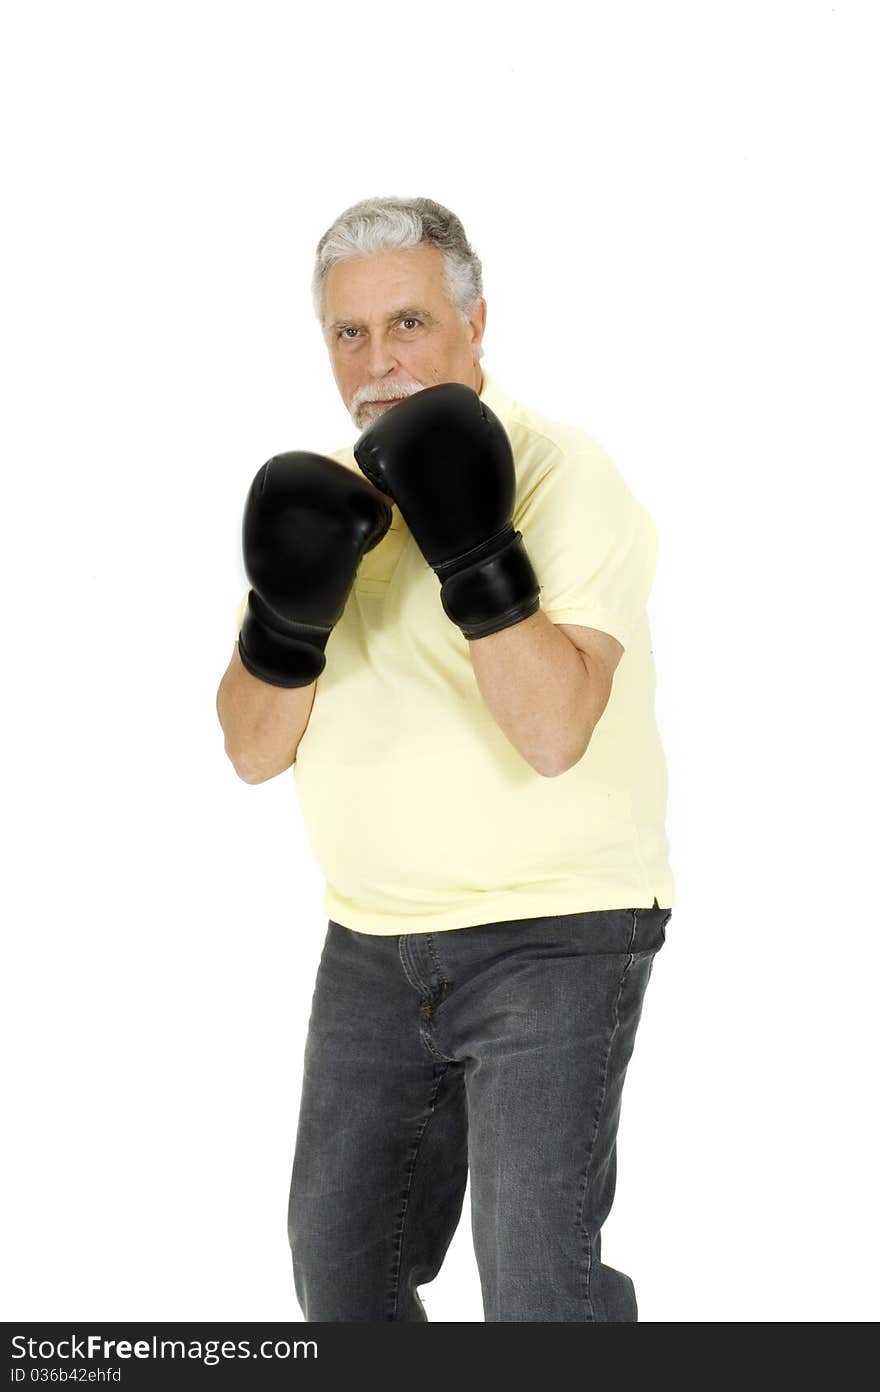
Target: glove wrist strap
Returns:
[[281, 652], [490, 587]]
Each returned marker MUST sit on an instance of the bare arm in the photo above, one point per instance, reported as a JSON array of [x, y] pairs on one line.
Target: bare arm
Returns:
[[546, 685], [262, 724]]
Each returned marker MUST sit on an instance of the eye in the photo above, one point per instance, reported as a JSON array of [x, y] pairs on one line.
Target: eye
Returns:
[[348, 329], [410, 320]]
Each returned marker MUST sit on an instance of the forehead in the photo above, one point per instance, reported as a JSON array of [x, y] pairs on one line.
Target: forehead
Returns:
[[371, 284]]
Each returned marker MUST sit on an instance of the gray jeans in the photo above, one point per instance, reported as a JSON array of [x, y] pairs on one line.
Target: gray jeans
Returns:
[[498, 1050]]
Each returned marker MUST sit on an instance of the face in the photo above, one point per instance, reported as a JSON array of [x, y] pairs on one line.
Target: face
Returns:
[[391, 330]]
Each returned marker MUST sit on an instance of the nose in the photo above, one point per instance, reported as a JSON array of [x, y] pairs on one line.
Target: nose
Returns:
[[380, 359]]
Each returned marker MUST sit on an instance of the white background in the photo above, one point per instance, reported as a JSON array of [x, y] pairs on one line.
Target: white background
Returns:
[[674, 208]]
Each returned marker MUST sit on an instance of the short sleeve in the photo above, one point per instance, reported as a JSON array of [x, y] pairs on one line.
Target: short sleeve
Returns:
[[592, 544]]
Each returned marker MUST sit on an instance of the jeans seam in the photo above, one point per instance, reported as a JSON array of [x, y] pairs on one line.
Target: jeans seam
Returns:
[[401, 1222], [409, 970], [427, 1040], [602, 1094], [445, 984]]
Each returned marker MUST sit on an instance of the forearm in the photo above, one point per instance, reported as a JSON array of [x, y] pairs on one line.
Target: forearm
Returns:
[[262, 724], [536, 684]]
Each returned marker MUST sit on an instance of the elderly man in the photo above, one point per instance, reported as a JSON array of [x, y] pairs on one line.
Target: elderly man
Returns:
[[445, 636]]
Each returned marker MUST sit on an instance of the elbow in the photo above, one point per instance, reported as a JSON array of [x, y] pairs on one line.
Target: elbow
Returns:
[[559, 757], [248, 774], [548, 770], [556, 762], [251, 771]]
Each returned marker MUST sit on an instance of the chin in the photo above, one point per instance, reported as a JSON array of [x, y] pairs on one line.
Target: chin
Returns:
[[372, 411]]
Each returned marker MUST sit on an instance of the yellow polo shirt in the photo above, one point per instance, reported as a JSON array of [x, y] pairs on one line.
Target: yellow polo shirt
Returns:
[[420, 813]]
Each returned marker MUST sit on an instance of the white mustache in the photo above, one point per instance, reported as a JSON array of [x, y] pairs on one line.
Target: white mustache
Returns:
[[390, 392]]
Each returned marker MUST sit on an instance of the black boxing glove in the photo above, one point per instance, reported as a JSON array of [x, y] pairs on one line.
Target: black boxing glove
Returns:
[[445, 459], [307, 522]]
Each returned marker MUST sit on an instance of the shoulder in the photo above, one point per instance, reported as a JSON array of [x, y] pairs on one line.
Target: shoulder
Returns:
[[561, 466], [546, 448], [557, 434]]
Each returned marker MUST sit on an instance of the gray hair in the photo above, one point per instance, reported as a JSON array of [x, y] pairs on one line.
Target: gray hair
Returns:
[[394, 224]]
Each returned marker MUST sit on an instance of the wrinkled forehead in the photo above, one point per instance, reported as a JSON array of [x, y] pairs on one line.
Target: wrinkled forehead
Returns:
[[375, 287]]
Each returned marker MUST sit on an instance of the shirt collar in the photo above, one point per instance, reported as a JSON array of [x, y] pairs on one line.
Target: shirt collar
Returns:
[[496, 399]]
